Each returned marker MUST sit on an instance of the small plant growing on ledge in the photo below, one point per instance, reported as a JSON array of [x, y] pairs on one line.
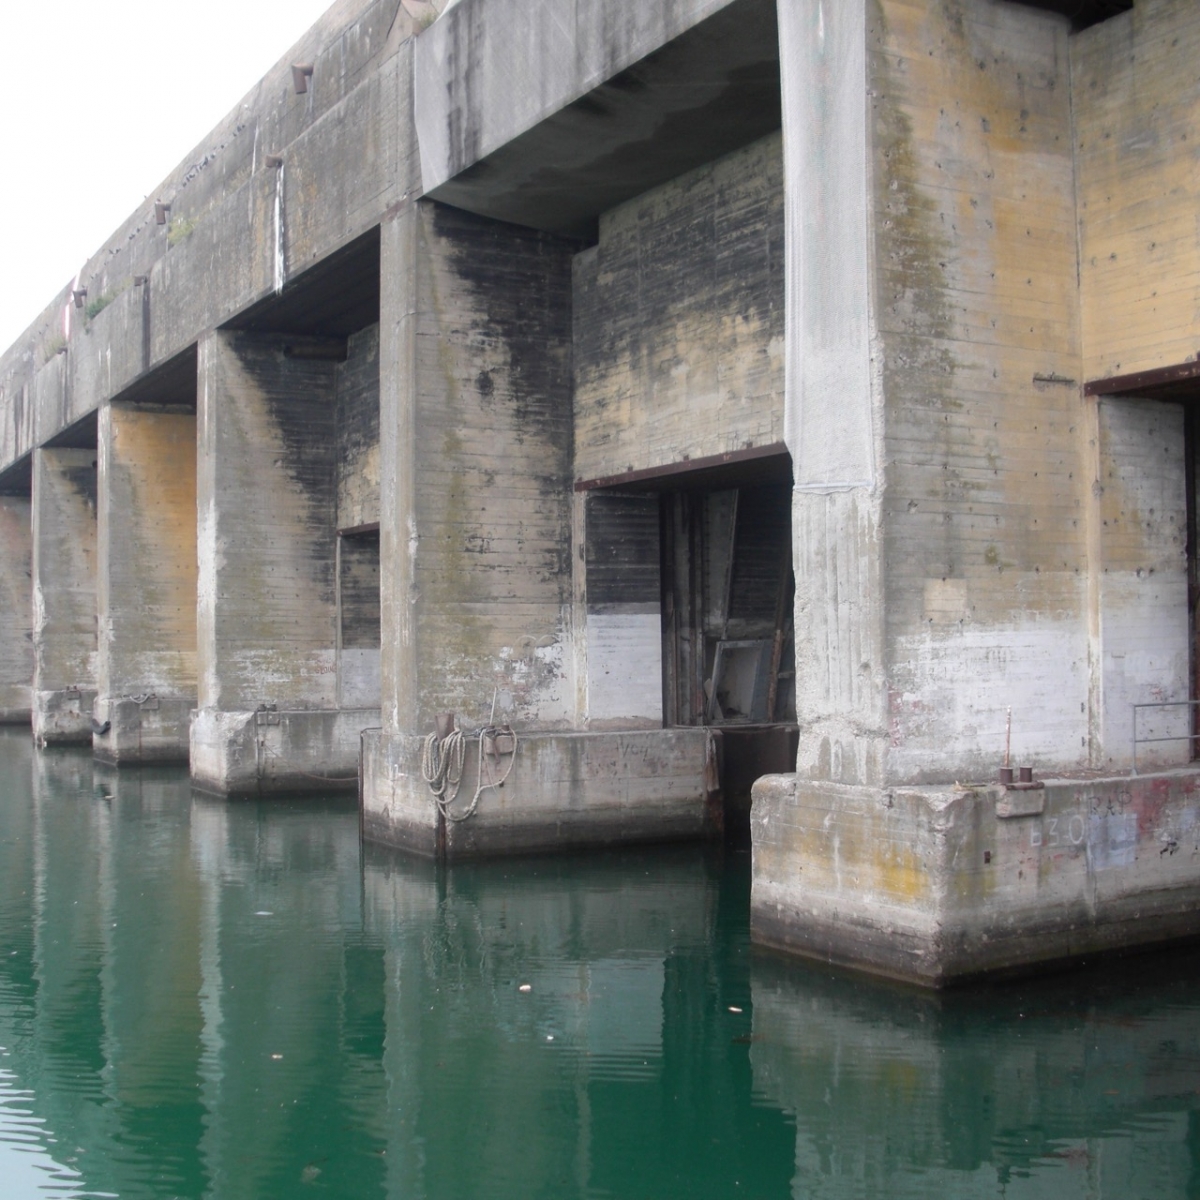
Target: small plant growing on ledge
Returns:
[[179, 228], [97, 306], [57, 345]]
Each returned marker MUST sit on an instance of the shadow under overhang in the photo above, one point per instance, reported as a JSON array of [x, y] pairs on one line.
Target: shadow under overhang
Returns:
[[335, 297], [172, 384], [17, 480], [708, 92]]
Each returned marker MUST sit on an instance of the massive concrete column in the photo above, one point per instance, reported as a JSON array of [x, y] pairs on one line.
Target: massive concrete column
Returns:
[[147, 584], [944, 482], [267, 716], [476, 536], [16, 601], [64, 594]]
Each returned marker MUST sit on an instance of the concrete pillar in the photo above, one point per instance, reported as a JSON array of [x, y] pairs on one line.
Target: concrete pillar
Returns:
[[267, 717], [477, 560], [947, 469], [16, 601], [146, 591], [64, 594]]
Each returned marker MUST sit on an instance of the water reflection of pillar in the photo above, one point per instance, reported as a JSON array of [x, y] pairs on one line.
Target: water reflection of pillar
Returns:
[[279, 900], [69, 1026], [960, 1091]]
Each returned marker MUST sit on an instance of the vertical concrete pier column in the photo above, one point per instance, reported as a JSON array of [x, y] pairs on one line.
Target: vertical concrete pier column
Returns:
[[267, 716], [64, 594], [146, 584], [16, 602], [476, 535]]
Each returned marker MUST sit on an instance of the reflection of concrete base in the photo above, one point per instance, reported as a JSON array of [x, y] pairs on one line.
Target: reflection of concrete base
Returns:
[[258, 753], [936, 885], [150, 729], [64, 717], [565, 790]]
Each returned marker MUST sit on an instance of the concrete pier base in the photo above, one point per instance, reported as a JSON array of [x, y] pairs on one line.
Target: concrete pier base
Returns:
[[936, 885], [63, 716], [565, 791], [141, 729], [267, 752]]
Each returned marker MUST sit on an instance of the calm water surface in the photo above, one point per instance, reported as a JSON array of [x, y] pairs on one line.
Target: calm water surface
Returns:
[[208, 999]]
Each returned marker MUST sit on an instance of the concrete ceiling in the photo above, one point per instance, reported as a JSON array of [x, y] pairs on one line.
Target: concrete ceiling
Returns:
[[704, 94], [1082, 12]]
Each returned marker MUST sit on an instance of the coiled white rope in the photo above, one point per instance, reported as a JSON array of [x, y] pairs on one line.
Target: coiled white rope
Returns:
[[442, 762]]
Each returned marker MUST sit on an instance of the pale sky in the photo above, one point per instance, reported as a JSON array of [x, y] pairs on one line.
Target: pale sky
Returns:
[[99, 100]]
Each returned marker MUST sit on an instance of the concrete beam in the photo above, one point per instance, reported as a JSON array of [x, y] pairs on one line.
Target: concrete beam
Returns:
[[16, 601], [146, 678], [64, 595], [552, 119]]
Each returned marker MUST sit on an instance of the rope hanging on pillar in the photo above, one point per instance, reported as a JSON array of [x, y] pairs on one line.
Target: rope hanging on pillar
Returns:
[[442, 761]]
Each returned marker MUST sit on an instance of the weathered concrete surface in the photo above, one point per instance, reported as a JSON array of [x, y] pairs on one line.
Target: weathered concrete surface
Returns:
[[1135, 131], [475, 422], [564, 789], [16, 602], [350, 153], [936, 885], [525, 71], [272, 752], [64, 595], [146, 594], [972, 534], [679, 320], [267, 544]]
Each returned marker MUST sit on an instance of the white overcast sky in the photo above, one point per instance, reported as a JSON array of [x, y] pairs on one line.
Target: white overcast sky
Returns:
[[99, 100]]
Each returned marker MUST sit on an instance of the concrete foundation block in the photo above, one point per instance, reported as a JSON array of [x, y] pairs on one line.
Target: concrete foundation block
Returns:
[[16, 704], [142, 729], [936, 885], [63, 717], [269, 752], [564, 791]]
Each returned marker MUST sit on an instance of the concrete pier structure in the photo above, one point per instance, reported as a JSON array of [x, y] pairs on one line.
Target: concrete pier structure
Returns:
[[668, 396], [991, 385], [64, 594], [146, 588], [16, 587]]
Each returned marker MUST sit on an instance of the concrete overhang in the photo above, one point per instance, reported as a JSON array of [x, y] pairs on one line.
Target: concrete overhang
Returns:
[[335, 297], [172, 384], [549, 115]]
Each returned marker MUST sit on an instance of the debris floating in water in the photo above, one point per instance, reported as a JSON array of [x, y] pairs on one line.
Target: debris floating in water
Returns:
[[277, 1057], [264, 913], [734, 1008], [525, 987]]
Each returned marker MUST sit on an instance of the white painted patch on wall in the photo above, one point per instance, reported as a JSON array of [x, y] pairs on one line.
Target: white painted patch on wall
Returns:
[[950, 693], [624, 673]]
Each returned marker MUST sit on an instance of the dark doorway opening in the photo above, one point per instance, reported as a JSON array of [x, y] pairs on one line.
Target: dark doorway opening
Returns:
[[707, 546]]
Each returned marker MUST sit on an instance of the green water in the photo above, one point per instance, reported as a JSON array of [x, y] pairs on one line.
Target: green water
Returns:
[[209, 999]]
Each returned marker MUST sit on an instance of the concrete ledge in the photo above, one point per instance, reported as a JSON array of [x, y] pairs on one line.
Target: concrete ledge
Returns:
[[63, 717], [936, 886], [143, 729], [565, 790], [268, 752]]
